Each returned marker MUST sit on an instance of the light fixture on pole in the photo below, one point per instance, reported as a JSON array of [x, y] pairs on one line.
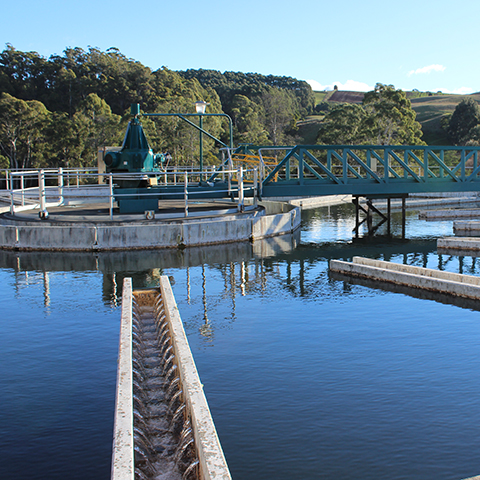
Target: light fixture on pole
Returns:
[[200, 107]]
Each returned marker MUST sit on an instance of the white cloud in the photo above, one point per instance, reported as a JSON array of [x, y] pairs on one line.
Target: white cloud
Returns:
[[349, 85], [428, 69]]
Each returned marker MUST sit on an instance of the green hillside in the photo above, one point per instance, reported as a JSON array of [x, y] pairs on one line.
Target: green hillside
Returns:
[[430, 109]]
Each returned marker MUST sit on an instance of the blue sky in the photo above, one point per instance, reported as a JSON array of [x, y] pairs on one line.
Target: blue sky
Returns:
[[428, 45]]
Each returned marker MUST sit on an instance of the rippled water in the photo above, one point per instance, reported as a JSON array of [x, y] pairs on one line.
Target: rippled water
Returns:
[[59, 346], [307, 377]]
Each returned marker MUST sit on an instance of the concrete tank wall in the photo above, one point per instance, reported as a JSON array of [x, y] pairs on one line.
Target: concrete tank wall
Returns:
[[280, 219]]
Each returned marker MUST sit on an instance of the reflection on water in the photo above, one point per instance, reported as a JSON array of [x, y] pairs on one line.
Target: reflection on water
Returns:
[[307, 376]]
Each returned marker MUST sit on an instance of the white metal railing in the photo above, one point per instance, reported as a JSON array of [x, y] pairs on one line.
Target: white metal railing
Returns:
[[71, 174], [54, 187]]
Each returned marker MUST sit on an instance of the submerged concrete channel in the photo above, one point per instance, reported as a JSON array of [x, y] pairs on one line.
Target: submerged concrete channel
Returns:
[[455, 284], [163, 426]]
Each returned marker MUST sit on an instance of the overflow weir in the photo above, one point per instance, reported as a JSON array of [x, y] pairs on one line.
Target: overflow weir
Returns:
[[163, 426]]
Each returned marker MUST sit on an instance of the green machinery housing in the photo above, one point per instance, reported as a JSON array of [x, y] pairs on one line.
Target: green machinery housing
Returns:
[[140, 193], [135, 156]]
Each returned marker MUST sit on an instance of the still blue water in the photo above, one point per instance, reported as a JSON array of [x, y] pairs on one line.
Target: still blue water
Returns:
[[306, 376]]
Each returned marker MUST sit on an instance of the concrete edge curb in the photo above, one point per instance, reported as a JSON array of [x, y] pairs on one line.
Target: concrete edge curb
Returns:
[[427, 272], [459, 243], [212, 460], [415, 280], [123, 464]]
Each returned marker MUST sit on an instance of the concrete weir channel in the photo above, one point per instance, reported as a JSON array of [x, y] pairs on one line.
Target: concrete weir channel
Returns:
[[458, 285], [163, 426]]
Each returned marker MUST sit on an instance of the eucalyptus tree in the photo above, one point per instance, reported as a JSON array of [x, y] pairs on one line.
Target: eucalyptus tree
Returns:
[[22, 125], [344, 124], [391, 119], [96, 127], [247, 117]]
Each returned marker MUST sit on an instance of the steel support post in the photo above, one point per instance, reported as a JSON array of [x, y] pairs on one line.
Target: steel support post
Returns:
[[110, 184], [389, 210], [12, 202], [60, 185], [41, 194], [201, 147], [22, 187], [185, 193], [240, 189]]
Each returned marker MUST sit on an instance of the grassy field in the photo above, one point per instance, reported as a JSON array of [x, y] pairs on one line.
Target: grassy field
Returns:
[[430, 109]]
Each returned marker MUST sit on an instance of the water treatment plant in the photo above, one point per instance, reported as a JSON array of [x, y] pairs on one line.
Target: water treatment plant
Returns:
[[206, 330]]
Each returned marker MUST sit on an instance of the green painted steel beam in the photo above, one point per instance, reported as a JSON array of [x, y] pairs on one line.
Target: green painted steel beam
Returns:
[[373, 169]]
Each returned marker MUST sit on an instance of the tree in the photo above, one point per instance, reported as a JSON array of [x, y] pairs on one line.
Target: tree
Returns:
[[343, 125], [65, 142], [22, 125], [175, 94], [391, 118], [97, 127], [247, 121], [279, 113], [465, 117]]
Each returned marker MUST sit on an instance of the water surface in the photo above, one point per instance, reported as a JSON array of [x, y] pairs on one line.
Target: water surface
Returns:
[[306, 376]]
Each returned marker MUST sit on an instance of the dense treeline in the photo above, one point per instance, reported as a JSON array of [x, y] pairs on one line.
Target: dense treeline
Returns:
[[263, 108], [59, 111]]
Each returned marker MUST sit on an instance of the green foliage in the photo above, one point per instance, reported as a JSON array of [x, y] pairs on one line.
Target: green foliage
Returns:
[[88, 91], [463, 120], [343, 125], [279, 115], [4, 163], [391, 119], [323, 107], [22, 124], [59, 111], [266, 93], [248, 122], [385, 118], [96, 126]]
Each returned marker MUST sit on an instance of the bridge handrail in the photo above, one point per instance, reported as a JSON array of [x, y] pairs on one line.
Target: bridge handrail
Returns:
[[381, 165]]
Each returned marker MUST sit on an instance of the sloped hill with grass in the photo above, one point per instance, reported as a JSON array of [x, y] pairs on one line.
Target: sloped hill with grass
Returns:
[[346, 97], [430, 110]]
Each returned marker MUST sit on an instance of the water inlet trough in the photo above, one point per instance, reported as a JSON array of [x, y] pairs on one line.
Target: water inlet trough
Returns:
[[163, 426]]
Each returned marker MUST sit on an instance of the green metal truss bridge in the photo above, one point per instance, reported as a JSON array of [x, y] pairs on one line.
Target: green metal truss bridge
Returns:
[[362, 170]]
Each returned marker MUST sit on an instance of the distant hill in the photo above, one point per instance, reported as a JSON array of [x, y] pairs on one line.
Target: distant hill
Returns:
[[430, 108], [346, 97]]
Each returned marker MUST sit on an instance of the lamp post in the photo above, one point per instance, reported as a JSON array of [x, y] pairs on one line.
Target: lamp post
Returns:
[[200, 107]]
